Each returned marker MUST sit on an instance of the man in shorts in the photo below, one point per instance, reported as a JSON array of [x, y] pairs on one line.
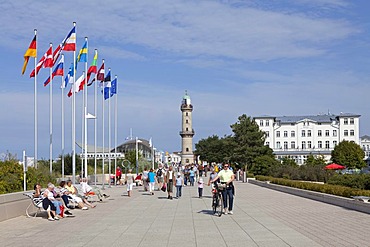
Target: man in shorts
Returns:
[[159, 175]]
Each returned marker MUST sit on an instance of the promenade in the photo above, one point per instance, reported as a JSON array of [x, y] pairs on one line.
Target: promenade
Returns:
[[262, 217]]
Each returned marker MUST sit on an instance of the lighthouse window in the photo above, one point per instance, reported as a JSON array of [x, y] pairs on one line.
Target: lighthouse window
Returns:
[[187, 129], [187, 160], [186, 114], [187, 149], [187, 121]]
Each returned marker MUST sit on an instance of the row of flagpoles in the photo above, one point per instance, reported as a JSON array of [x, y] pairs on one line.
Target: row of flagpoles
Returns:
[[109, 89]]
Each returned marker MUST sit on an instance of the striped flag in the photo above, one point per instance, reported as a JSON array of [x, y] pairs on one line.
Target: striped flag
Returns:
[[69, 42], [39, 65], [31, 52], [58, 71], [49, 61], [82, 55], [76, 85], [57, 53]]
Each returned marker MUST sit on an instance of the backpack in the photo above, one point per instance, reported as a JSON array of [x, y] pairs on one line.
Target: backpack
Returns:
[[159, 173]]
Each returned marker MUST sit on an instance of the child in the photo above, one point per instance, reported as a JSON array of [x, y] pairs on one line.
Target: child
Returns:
[[200, 187], [178, 185]]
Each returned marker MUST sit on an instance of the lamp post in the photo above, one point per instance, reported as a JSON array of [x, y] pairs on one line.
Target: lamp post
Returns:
[[87, 116], [137, 155]]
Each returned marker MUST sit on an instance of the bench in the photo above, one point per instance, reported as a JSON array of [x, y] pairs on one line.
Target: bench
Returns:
[[365, 199], [36, 202]]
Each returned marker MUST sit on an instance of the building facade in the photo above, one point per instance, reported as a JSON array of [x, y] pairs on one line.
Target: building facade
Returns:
[[187, 131], [299, 136]]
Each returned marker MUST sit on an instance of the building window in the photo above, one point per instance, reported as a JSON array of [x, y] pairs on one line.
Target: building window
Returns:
[[303, 133], [346, 133], [303, 145], [278, 145], [327, 133], [267, 134], [335, 143], [334, 132], [277, 133], [346, 121], [352, 133], [292, 145], [327, 144], [351, 121], [292, 133], [309, 133], [285, 133], [285, 145], [187, 149], [267, 122], [187, 121], [267, 144], [319, 133], [186, 114], [261, 122], [187, 161], [309, 144], [187, 129], [319, 144]]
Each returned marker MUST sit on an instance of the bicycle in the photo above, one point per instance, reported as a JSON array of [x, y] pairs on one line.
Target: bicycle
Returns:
[[217, 200]]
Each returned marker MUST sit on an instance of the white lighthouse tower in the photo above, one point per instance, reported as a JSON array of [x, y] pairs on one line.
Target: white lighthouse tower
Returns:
[[187, 132]]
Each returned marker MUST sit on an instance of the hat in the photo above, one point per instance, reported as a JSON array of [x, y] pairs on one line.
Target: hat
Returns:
[[178, 174]]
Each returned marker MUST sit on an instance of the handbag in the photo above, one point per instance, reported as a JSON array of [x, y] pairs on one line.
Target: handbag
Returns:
[[163, 187]]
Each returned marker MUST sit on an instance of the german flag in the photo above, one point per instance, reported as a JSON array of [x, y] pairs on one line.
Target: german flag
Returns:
[[31, 52]]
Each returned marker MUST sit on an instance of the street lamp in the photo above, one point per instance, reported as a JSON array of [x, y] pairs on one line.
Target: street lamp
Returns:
[[137, 155], [87, 116]]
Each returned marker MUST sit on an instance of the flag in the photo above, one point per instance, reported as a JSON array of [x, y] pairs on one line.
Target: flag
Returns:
[[31, 52], [150, 142], [113, 89], [106, 92], [57, 71], [39, 65], [69, 77], [82, 55], [57, 52], [107, 80], [69, 42], [100, 75], [49, 62], [92, 69], [76, 85]]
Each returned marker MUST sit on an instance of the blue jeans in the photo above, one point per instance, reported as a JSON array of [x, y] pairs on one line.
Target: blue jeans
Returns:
[[178, 190], [191, 180], [57, 204], [227, 194]]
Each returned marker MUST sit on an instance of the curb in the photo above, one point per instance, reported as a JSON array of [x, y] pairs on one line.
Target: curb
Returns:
[[317, 196]]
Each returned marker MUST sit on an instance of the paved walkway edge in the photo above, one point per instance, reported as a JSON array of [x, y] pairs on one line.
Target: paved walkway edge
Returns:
[[322, 197]]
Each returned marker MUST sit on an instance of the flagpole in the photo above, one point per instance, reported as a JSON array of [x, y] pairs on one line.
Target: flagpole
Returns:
[[73, 116], [51, 117], [35, 108], [152, 155], [62, 98], [115, 135], [95, 114], [103, 160], [85, 110], [109, 131]]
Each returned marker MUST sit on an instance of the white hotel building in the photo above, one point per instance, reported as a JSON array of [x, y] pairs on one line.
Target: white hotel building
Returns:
[[299, 136]]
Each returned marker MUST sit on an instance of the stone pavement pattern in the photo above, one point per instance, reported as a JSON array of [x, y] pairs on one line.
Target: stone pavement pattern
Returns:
[[262, 217]]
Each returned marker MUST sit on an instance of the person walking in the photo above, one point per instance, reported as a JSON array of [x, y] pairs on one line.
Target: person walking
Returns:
[[151, 177], [191, 176], [227, 177], [200, 187], [129, 179], [160, 175], [179, 184], [169, 180], [145, 179]]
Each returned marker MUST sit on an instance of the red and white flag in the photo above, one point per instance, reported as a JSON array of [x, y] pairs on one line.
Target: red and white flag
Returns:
[[49, 61], [39, 65]]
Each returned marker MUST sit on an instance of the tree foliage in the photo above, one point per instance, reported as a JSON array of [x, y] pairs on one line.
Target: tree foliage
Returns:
[[349, 154]]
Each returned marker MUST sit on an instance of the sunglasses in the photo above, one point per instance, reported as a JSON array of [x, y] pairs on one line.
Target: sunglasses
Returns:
[[226, 166]]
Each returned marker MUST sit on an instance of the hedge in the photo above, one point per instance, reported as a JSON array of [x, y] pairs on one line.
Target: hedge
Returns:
[[323, 188]]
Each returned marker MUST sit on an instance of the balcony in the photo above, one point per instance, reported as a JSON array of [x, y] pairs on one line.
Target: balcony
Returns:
[[187, 133], [186, 107]]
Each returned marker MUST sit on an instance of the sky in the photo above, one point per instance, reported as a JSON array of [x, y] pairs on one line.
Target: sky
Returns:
[[234, 57]]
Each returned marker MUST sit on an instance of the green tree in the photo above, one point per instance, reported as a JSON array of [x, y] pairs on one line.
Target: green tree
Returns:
[[349, 154], [263, 165], [11, 176], [215, 149], [249, 140]]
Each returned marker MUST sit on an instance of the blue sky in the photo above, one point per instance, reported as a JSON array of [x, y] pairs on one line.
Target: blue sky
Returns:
[[291, 57]]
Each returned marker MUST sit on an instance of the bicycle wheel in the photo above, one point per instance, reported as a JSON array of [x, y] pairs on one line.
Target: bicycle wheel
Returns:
[[214, 204], [219, 205]]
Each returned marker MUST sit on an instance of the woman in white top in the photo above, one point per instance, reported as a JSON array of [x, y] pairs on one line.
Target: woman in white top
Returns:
[[130, 182], [48, 193]]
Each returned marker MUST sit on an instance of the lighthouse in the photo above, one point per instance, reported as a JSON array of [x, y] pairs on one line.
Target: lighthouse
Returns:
[[187, 131]]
